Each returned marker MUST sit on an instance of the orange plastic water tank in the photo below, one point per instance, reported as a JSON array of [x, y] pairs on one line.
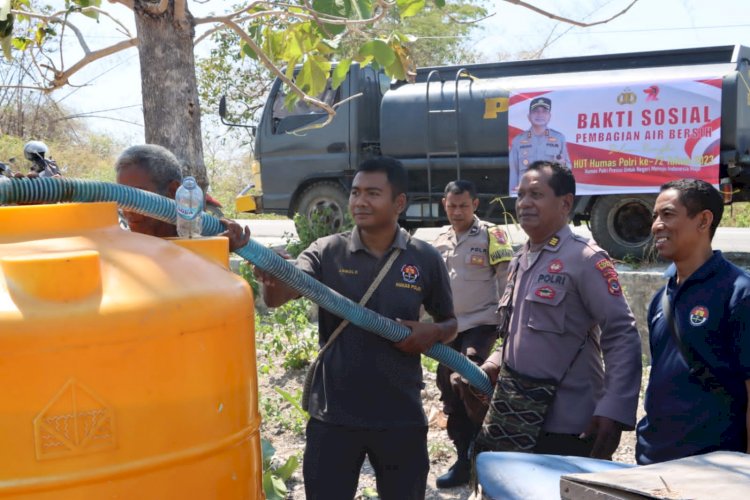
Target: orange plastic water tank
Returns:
[[127, 363]]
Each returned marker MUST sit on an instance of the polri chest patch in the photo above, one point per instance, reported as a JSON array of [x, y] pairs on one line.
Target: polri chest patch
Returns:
[[545, 292], [556, 266]]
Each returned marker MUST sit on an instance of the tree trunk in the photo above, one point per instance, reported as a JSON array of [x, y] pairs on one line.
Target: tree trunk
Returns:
[[171, 111]]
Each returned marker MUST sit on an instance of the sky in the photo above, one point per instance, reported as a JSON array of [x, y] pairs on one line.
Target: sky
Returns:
[[113, 83]]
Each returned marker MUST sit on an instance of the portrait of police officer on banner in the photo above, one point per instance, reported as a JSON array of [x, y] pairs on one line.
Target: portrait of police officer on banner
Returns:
[[539, 142]]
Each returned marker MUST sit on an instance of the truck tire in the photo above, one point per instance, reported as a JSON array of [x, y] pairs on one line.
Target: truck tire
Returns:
[[325, 195], [621, 224]]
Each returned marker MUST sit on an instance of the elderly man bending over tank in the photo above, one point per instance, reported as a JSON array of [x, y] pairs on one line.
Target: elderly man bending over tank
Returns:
[[154, 168]]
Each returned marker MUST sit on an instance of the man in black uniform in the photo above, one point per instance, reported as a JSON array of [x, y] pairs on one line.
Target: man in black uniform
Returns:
[[365, 396]]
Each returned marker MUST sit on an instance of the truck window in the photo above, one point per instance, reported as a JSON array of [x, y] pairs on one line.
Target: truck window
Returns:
[[286, 120]]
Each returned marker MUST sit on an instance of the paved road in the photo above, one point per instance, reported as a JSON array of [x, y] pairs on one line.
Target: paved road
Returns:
[[272, 232]]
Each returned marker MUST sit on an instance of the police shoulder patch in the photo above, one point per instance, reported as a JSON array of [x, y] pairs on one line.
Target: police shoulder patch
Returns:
[[499, 247], [613, 286]]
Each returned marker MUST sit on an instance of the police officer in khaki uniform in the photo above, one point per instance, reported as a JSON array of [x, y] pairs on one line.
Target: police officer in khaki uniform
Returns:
[[476, 254], [568, 311], [537, 143]]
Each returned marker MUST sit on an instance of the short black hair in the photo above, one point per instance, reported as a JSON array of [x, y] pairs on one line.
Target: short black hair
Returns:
[[697, 196], [461, 186], [158, 161], [393, 169], [562, 181]]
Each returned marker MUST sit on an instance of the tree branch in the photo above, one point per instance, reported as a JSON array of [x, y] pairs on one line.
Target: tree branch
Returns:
[[130, 4], [180, 10], [280, 74], [568, 20], [61, 77], [157, 10], [306, 13], [60, 17]]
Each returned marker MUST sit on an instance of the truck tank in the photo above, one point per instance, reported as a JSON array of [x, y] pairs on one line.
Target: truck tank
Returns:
[[465, 110], [453, 122]]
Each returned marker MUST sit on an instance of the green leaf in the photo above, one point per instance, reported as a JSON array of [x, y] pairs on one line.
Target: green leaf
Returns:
[[409, 8], [369, 492], [88, 3], [440, 3], [279, 488], [22, 43], [271, 487], [380, 50], [286, 470], [330, 7], [333, 8], [363, 8], [39, 35], [294, 401], [340, 72], [246, 50], [267, 451], [91, 13], [293, 46], [313, 76], [397, 69]]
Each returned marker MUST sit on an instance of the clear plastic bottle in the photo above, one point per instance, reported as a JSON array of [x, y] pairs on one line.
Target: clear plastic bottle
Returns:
[[189, 204]]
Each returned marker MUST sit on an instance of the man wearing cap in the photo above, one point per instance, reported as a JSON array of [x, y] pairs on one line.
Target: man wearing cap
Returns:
[[537, 143], [476, 254]]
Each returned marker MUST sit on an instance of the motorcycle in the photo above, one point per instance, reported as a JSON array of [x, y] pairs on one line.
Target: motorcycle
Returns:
[[5, 171], [35, 152]]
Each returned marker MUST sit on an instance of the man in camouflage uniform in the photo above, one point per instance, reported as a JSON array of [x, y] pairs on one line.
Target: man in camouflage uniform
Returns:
[[476, 254], [537, 143]]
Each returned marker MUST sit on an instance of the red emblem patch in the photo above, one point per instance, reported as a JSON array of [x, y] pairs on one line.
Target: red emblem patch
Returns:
[[604, 264], [499, 235], [698, 315], [609, 273], [410, 273], [555, 266], [545, 292], [613, 286]]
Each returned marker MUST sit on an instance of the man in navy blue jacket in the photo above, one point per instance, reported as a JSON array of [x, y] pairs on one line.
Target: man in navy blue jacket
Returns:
[[697, 396]]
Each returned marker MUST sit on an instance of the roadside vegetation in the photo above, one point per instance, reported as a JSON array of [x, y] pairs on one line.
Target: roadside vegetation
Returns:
[[736, 215]]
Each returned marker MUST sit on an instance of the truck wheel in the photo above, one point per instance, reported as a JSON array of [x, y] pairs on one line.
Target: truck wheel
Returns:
[[325, 195], [621, 224]]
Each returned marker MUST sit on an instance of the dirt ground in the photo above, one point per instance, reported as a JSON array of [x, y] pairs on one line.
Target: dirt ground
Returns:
[[442, 453]]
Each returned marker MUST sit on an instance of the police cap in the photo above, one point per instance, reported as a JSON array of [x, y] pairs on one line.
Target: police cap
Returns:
[[540, 102]]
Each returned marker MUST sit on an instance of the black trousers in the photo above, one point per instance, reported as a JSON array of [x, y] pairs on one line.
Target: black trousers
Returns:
[[550, 443], [476, 344], [334, 455]]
